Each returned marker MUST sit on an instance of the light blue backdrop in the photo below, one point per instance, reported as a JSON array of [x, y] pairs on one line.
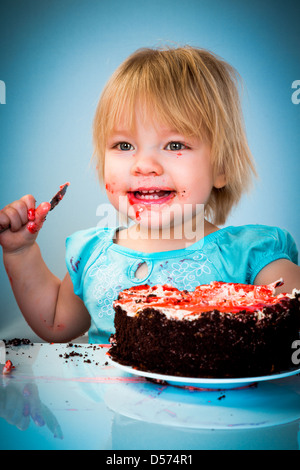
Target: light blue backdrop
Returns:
[[55, 58]]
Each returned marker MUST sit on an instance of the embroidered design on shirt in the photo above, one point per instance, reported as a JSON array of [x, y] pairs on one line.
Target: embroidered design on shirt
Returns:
[[108, 282], [185, 273], [74, 265]]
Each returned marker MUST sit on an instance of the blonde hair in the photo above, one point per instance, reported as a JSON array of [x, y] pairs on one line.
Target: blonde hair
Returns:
[[196, 93]]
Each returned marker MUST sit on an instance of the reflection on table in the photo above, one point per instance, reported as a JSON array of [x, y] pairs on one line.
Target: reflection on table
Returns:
[[71, 397]]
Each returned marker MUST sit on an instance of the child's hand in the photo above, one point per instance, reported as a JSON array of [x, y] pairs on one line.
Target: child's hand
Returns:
[[23, 222]]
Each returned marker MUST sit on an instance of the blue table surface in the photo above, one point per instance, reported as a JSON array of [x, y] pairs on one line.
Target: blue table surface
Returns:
[[62, 396]]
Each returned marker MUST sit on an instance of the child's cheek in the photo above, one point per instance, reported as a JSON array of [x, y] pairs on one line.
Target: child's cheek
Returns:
[[114, 194], [184, 194], [111, 194], [113, 189], [110, 188]]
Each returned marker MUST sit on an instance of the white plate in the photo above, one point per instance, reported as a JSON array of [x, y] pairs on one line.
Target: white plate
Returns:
[[205, 383]]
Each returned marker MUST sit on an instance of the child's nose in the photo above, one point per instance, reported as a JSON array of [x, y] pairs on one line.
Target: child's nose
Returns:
[[146, 164]]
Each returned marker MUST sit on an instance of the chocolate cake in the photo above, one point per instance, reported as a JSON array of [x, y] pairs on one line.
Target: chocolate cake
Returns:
[[220, 330]]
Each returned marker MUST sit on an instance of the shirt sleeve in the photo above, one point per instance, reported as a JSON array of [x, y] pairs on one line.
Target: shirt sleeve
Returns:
[[79, 250], [272, 244], [244, 251]]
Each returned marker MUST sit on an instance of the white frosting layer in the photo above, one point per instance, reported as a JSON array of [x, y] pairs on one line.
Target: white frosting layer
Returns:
[[228, 298], [177, 313]]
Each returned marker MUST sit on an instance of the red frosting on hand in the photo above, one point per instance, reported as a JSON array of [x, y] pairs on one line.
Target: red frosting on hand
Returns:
[[37, 217], [31, 214]]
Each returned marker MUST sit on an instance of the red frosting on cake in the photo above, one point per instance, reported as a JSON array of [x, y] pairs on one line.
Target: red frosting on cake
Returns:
[[221, 296]]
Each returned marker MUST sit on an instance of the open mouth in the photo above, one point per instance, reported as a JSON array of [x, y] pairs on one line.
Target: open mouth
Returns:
[[150, 196]]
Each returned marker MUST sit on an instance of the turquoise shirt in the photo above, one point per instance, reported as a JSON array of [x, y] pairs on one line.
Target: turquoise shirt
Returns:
[[100, 269]]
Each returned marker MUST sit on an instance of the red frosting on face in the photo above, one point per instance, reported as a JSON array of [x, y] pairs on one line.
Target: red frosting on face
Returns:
[[221, 296]]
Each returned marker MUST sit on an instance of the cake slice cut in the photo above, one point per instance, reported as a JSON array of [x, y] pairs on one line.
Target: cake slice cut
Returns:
[[219, 330]]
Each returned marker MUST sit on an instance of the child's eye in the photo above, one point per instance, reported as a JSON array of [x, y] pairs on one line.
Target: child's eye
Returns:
[[175, 146], [125, 146]]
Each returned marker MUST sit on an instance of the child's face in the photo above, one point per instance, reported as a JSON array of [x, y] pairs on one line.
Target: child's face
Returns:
[[155, 175]]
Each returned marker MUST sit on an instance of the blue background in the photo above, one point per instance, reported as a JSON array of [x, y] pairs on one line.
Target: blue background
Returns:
[[55, 59]]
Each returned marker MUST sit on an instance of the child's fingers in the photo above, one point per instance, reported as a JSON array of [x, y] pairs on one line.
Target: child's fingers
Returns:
[[21, 206], [12, 218], [42, 211], [4, 220], [15, 215], [29, 200], [37, 217], [22, 212]]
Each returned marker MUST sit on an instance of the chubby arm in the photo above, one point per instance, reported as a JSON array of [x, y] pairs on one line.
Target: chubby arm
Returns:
[[49, 305], [281, 268]]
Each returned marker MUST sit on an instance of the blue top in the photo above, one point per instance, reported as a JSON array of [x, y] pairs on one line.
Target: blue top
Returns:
[[100, 269]]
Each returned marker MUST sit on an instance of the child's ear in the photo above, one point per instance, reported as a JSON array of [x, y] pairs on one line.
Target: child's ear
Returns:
[[220, 181]]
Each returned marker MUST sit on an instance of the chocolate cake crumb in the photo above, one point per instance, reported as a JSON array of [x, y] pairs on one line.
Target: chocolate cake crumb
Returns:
[[17, 342], [221, 397], [83, 356], [72, 354]]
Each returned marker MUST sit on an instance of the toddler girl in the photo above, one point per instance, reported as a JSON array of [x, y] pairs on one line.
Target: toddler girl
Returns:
[[171, 149]]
